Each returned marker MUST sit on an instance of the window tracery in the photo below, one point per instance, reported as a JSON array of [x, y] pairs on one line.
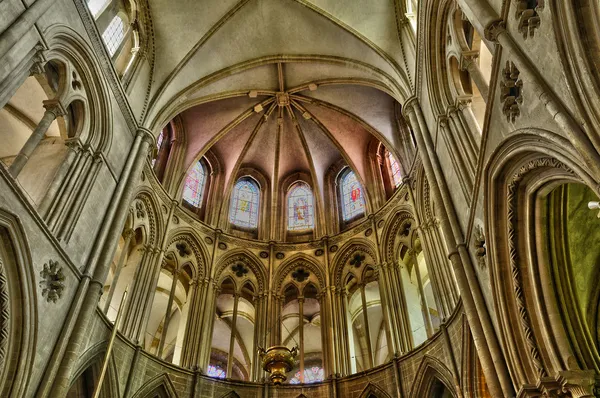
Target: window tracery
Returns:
[[244, 204], [193, 190], [314, 374], [300, 208], [353, 202], [394, 169], [114, 34], [215, 371], [96, 6], [159, 142]]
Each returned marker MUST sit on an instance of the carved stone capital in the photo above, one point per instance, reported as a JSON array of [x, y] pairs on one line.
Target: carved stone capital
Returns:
[[468, 59], [493, 30], [55, 107]]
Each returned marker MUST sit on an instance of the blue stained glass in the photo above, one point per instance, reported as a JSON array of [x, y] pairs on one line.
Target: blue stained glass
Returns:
[[215, 371], [193, 189], [300, 208], [244, 203], [394, 169], [311, 375], [353, 201]]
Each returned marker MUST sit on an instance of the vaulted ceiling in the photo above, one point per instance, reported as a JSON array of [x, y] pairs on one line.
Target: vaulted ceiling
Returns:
[[283, 86]]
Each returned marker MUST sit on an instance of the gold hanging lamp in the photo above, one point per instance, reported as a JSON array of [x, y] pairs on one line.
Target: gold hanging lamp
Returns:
[[278, 360]]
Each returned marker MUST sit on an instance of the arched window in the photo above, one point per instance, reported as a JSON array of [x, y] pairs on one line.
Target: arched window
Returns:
[[114, 34], [300, 208], [244, 203], [159, 141], [215, 371], [311, 375], [394, 169], [193, 189], [351, 192], [96, 6]]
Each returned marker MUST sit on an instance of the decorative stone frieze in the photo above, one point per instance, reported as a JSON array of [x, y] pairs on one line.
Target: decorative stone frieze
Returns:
[[511, 92], [527, 14], [52, 282], [479, 245]]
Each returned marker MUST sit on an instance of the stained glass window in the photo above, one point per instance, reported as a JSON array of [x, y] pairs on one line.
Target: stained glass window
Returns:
[[159, 141], [114, 34], [96, 6], [311, 375], [244, 203], [193, 189], [353, 201], [300, 208], [394, 169], [215, 371]]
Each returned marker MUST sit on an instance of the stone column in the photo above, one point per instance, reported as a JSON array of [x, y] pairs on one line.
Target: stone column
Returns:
[[208, 320], [468, 62], [350, 329], [484, 336], [388, 309], [366, 325], [236, 301], [165, 329], [424, 304], [113, 285], [400, 308], [56, 379], [191, 340], [301, 335], [54, 109], [142, 294]]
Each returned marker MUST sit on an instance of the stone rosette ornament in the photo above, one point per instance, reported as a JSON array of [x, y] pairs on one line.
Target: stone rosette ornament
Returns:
[[52, 283]]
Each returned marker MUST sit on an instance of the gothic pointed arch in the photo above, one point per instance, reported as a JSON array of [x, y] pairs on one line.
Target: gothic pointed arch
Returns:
[[185, 248], [161, 386], [432, 375], [18, 305], [344, 260], [399, 229], [231, 394], [525, 170], [372, 390], [147, 212], [90, 366], [296, 262], [67, 45], [247, 259]]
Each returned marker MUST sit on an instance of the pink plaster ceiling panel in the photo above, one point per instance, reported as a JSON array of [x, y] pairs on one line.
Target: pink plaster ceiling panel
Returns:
[[203, 122], [292, 155], [229, 148], [349, 135], [261, 153]]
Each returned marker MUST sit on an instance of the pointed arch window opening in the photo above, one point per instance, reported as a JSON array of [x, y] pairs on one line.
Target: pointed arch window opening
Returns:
[[300, 208], [245, 200], [114, 34], [215, 371], [313, 374], [353, 202], [394, 169], [96, 6], [193, 189], [159, 142]]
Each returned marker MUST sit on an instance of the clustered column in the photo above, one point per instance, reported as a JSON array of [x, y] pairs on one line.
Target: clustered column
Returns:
[[140, 300]]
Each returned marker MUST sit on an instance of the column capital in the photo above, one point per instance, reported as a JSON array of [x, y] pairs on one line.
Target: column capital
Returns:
[[410, 106], [467, 59], [463, 102], [146, 135], [55, 107], [494, 29], [128, 233]]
